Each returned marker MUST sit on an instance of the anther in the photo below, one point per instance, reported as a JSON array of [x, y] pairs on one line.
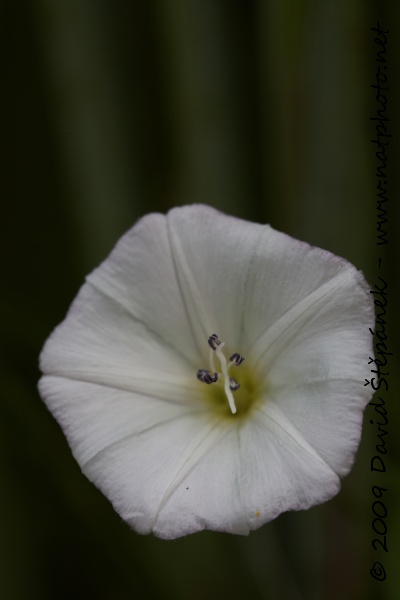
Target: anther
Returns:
[[214, 341], [206, 377], [233, 384], [237, 359]]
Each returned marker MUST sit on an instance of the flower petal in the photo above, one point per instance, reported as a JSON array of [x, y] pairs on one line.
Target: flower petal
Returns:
[[340, 306], [139, 275], [239, 278], [100, 342], [314, 365], [288, 277], [213, 253], [279, 470], [174, 472], [254, 473], [328, 414], [144, 473], [95, 417]]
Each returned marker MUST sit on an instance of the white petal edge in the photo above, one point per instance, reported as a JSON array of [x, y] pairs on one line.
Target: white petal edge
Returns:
[[95, 417]]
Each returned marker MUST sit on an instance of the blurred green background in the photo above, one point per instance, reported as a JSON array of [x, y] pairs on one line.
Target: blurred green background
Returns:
[[115, 109]]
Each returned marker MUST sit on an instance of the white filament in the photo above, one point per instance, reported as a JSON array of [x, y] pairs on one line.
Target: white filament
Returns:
[[224, 368]]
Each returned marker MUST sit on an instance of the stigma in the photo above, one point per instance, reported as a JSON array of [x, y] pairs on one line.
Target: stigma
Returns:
[[222, 373]]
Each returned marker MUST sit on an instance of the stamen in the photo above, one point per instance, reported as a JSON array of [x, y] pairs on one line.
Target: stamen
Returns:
[[214, 341], [224, 368], [206, 377], [237, 359], [230, 384], [212, 365], [233, 384]]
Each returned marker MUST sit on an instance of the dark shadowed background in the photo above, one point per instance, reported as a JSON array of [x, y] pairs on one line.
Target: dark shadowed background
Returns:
[[111, 110]]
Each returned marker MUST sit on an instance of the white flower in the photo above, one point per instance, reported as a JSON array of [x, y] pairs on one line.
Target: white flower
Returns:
[[142, 374]]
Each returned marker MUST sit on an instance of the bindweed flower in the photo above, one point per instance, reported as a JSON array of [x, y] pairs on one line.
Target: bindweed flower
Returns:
[[209, 374]]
